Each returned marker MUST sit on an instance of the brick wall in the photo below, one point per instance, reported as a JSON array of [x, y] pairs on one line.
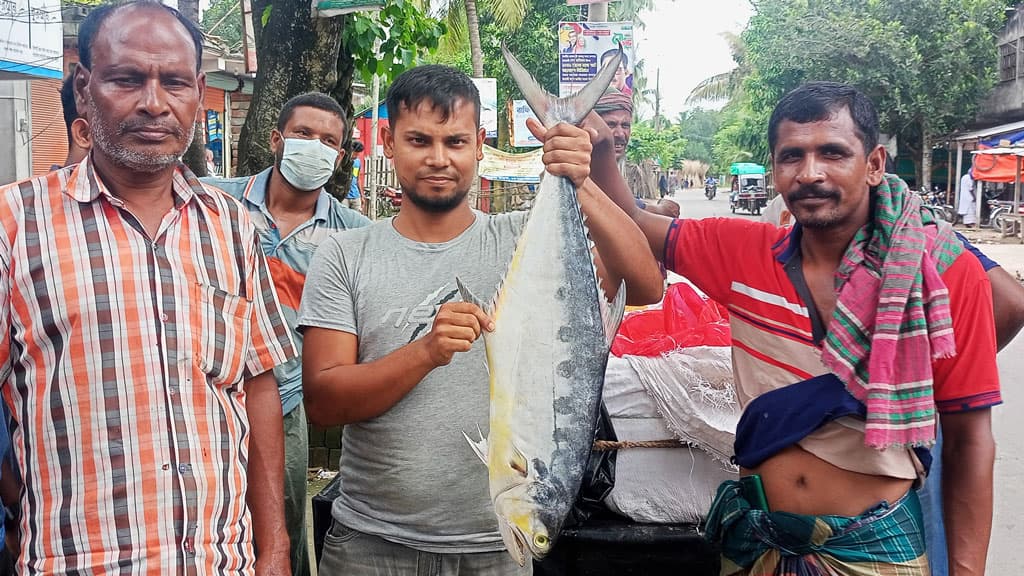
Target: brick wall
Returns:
[[324, 447], [239, 109]]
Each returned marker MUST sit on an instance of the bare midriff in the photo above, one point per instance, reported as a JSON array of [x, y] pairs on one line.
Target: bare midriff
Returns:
[[799, 482]]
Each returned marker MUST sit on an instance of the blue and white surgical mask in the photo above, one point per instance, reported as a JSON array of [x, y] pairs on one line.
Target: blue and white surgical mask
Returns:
[[307, 164]]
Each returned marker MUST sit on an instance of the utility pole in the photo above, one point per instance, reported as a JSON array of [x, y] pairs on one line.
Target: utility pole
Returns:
[[598, 12], [657, 100]]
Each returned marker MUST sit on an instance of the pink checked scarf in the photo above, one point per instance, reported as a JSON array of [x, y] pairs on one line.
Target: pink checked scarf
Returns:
[[892, 318]]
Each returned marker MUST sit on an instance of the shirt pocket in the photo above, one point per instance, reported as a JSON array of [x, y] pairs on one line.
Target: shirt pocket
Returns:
[[222, 331]]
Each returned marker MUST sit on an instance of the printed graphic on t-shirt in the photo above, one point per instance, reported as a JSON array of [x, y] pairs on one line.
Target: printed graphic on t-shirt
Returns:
[[419, 317]]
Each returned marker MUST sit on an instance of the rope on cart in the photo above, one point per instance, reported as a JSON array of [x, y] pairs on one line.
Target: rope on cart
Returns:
[[607, 445]]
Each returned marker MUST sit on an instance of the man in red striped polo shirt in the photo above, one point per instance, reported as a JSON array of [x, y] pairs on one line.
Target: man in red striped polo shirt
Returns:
[[850, 332]]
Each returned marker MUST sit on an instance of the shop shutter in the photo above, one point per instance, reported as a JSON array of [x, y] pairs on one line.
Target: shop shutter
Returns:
[[49, 144], [214, 99]]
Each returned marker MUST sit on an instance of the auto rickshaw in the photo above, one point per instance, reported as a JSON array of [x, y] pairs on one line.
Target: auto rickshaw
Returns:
[[748, 188]]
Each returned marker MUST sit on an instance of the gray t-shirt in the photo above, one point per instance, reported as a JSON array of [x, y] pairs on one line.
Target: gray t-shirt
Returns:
[[409, 476]]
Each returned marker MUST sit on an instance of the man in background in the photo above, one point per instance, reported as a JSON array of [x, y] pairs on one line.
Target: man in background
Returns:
[[77, 128], [293, 214], [616, 109]]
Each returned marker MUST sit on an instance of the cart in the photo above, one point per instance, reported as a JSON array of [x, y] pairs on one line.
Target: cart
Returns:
[[748, 189]]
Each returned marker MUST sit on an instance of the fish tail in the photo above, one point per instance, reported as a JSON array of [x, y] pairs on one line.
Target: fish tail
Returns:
[[572, 109]]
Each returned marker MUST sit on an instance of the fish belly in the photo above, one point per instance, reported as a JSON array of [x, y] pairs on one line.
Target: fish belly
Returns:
[[548, 353]]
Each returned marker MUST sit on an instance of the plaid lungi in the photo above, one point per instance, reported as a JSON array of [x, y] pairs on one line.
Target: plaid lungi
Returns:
[[887, 540]]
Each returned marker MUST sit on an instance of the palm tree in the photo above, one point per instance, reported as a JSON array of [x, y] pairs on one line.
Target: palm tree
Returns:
[[462, 18], [723, 86]]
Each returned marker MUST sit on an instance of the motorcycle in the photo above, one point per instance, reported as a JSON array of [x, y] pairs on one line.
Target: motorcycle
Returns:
[[999, 210], [389, 202], [710, 190]]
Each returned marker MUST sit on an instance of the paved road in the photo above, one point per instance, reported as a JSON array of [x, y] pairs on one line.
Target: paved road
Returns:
[[1006, 554]]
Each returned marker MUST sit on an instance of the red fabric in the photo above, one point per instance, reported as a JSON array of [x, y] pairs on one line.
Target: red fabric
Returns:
[[686, 319]]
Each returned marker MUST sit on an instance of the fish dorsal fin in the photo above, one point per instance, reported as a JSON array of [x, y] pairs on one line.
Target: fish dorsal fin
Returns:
[[479, 446], [572, 109], [612, 314], [468, 296]]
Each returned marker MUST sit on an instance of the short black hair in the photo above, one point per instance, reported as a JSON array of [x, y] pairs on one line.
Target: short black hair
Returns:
[[609, 53], [817, 101], [357, 146], [89, 27], [442, 86], [317, 100], [67, 102]]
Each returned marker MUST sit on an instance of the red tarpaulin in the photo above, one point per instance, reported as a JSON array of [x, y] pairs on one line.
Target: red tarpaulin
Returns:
[[994, 167]]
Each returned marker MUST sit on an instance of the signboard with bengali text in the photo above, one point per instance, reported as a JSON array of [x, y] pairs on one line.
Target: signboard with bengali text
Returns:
[[521, 137], [31, 38]]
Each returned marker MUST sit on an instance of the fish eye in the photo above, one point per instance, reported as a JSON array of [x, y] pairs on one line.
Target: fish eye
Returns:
[[541, 541]]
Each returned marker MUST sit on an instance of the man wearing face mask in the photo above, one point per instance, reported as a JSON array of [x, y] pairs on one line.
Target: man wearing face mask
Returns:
[[293, 214]]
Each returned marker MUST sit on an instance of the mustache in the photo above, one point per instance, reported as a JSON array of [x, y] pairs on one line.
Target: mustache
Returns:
[[135, 125], [813, 191]]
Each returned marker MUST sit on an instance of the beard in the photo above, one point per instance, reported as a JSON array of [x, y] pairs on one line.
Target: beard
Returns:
[[435, 204], [108, 140]]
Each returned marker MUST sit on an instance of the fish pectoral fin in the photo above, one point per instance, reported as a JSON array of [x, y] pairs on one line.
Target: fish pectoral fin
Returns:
[[479, 446], [518, 462], [611, 314]]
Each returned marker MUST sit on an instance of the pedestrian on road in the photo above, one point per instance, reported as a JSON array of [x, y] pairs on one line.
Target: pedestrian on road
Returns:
[[390, 349], [840, 394], [354, 198], [968, 207], [293, 214], [140, 327]]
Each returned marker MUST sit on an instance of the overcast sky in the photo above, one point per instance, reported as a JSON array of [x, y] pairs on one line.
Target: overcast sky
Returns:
[[683, 38]]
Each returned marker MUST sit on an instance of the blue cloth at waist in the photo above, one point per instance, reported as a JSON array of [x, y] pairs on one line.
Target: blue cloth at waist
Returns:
[[782, 417]]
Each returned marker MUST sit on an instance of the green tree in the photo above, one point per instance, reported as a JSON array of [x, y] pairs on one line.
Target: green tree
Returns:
[[666, 145], [298, 53], [223, 19], [698, 127], [927, 64]]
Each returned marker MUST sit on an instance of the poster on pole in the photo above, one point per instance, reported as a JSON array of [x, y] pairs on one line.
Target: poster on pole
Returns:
[[521, 136], [488, 88], [31, 38], [584, 46]]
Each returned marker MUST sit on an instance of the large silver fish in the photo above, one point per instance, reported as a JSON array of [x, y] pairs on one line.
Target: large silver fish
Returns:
[[548, 351]]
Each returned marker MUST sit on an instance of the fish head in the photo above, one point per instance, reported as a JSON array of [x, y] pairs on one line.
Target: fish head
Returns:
[[522, 529]]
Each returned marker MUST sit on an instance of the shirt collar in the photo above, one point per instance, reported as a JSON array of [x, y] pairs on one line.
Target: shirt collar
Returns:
[[256, 194], [84, 185], [785, 249]]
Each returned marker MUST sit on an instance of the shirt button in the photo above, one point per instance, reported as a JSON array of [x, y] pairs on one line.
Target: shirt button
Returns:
[[163, 317], [184, 468], [166, 466]]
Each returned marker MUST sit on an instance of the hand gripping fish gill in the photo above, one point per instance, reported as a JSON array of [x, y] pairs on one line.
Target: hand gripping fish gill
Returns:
[[548, 351]]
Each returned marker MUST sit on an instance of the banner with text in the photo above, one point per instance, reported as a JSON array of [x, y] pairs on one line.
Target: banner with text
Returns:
[[31, 38], [507, 167], [488, 88], [584, 46], [519, 111]]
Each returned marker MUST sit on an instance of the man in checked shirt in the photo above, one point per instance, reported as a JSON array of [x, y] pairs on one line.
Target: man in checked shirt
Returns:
[[139, 326]]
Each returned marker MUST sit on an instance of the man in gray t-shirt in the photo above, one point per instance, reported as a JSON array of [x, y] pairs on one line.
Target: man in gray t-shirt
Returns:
[[390, 348]]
